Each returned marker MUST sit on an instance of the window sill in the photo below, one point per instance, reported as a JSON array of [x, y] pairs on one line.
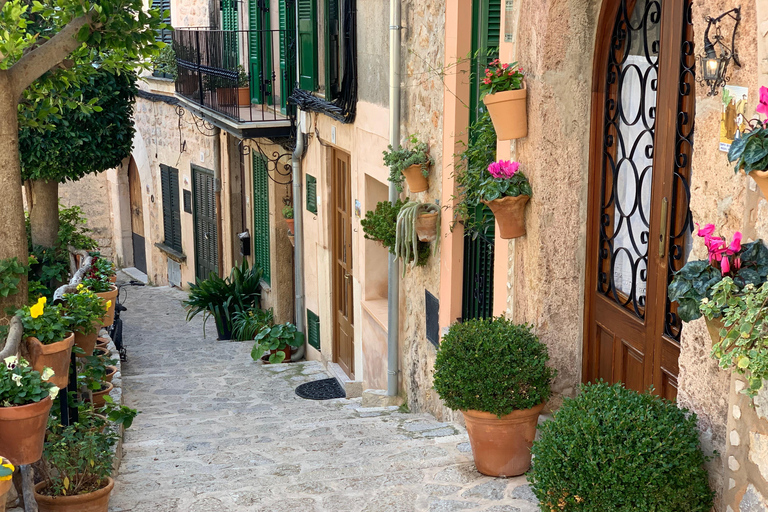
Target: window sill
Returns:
[[377, 309], [172, 253]]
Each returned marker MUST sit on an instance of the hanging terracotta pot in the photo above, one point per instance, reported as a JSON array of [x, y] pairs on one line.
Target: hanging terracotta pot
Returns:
[[502, 446], [426, 227], [22, 431], [714, 326], [110, 296], [87, 342], [111, 371], [97, 501], [508, 113], [415, 179], [98, 396], [290, 225], [761, 178], [55, 356], [510, 215]]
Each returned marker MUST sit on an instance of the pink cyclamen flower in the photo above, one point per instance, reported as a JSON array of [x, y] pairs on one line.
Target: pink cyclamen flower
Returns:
[[736, 244], [503, 169], [725, 266], [707, 230], [762, 106]]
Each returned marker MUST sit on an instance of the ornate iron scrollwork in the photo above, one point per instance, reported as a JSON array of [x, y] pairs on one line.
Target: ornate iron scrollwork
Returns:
[[279, 167]]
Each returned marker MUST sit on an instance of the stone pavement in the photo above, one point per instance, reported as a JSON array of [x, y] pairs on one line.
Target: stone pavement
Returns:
[[219, 432]]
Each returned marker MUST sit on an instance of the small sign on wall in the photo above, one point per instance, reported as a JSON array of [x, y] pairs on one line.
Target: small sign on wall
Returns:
[[509, 21], [188, 201], [733, 117]]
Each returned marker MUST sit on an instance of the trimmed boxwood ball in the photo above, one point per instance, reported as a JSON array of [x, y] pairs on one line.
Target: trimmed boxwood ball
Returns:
[[492, 365], [615, 449]]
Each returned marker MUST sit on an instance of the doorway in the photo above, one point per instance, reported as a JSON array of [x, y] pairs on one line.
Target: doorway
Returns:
[[639, 222], [343, 303], [204, 213], [137, 217]]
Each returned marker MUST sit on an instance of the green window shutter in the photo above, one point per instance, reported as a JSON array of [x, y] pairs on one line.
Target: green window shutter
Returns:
[[175, 209], [229, 14], [259, 51], [486, 31], [261, 217], [313, 329], [331, 49], [287, 53], [165, 185], [307, 16], [230, 57], [312, 194]]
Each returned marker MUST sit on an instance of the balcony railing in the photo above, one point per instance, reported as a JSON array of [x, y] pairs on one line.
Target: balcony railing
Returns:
[[245, 75]]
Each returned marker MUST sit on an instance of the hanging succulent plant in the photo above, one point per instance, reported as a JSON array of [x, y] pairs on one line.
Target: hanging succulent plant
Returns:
[[407, 236]]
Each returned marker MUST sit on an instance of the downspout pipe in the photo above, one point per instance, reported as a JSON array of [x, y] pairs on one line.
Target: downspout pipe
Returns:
[[217, 186], [393, 268], [298, 231]]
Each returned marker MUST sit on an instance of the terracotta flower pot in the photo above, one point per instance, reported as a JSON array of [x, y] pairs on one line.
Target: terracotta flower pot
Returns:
[[502, 446], [113, 279], [55, 356], [87, 342], [97, 501], [761, 178], [415, 179], [426, 227], [111, 371], [508, 113], [290, 225], [510, 215], [102, 353], [102, 343], [714, 326], [111, 295], [5, 486], [98, 396], [22, 431], [244, 96], [286, 351]]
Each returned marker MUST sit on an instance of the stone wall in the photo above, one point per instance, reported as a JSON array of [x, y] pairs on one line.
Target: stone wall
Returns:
[[91, 193]]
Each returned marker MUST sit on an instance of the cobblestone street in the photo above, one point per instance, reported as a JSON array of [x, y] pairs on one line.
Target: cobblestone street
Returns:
[[219, 432]]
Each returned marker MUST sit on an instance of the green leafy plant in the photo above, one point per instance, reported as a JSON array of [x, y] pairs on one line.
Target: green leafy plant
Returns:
[[243, 80], [11, 271], [601, 444], [277, 337], [120, 415], [101, 267], [471, 173], [750, 152], [21, 385], [492, 365], [381, 225], [288, 212], [503, 179], [500, 77], [6, 469], [44, 321], [83, 310], [222, 298], [165, 62], [407, 243], [93, 371], [403, 157], [248, 323]]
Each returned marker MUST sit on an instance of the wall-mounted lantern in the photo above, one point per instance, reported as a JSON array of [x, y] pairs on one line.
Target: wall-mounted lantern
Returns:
[[714, 67]]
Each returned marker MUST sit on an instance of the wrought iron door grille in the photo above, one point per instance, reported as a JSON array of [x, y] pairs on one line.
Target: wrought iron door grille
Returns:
[[477, 295]]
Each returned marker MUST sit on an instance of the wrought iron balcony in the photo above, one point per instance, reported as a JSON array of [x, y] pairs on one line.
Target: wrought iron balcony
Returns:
[[238, 79]]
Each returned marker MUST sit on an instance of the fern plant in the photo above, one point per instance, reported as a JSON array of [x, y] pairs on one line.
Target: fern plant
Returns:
[[406, 239]]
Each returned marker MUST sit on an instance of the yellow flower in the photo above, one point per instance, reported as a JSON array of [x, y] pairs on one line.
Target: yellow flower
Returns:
[[37, 310], [109, 304], [6, 464], [80, 286]]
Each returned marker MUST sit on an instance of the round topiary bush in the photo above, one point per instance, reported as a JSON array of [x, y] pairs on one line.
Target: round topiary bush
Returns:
[[492, 365], [615, 449]]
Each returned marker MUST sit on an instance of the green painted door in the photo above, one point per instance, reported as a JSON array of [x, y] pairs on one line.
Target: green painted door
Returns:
[[287, 51], [204, 214], [259, 51], [261, 217]]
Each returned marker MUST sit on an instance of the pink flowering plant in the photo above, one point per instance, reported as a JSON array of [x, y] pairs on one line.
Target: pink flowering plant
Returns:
[[503, 179], [750, 151], [500, 77], [744, 264]]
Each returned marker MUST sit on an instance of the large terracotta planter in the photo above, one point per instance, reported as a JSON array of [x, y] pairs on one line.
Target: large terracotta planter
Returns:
[[98, 396], [5, 486], [426, 227], [415, 179], [244, 96], [508, 113], [510, 215], [227, 96], [87, 342], [22, 431], [502, 446], [97, 501], [55, 356], [761, 178], [714, 326], [111, 296]]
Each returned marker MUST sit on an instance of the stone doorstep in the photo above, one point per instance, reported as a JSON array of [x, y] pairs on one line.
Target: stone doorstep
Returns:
[[353, 388], [136, 274], [379, 398]]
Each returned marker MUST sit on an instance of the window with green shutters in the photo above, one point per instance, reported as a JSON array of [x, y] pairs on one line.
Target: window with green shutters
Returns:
[[261, 216], [311, 194], [169, 181], [313, 329], [307, 17], [287, 13], [164, 35], [259, 52], [486, 30], [332, 49], [229, 25]]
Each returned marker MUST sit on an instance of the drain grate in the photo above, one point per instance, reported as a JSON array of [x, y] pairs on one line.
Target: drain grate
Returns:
[[325, 389]]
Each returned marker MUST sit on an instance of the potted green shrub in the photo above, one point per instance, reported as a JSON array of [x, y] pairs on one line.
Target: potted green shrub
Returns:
[[381, 225], [416, 223], [247, 324], [48, 339], [84, 312], [495, 372], [506, 191], [504, 94], [611, 448], [96, 376], [226, 94], [222, 298], [410, 164], [26, 397], [276, 340], [288, 216], [99, 279], [750, 151]]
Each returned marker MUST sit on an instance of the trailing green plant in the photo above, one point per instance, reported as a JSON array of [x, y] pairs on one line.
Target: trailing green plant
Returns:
[[288, 212], [248, 323], [750, 151], [11, 271], [21, 385], [165, 62], [222, 298], [492, 365], [83, 310], [403, 157], [500, 77], [44, 321], [93, 371], [591, 456], [381, 225], [406, 239], [120, 415], [276, 337], [73, 230]]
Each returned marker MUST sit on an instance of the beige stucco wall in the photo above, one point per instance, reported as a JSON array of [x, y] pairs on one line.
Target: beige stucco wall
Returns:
[[91, 193]]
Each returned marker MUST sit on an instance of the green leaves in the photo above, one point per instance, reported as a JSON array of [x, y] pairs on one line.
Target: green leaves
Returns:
[[11, 271], [403, 157], [276, 337], [20, 384], [381, 225], [750, 152]]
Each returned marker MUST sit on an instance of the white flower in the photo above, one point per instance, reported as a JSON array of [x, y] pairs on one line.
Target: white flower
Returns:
[[11, 361], [53, 392], [17, 379], [47, 373]]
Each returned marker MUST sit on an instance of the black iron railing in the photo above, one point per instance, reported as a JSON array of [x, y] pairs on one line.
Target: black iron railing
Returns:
[[246, 75]]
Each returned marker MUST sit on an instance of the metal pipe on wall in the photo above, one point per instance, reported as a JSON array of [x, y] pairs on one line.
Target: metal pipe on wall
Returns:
[[298, 232], [217, 198]]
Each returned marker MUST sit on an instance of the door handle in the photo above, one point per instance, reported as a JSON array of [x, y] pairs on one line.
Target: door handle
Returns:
[[663, 228], [347, 276]]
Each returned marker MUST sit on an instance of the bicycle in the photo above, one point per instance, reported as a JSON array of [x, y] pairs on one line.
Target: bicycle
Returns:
[[116, 329]]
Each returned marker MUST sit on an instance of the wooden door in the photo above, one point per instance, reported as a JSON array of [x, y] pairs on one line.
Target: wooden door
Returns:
[[343, 304], [204, 213], [639, 223], [137, 218]]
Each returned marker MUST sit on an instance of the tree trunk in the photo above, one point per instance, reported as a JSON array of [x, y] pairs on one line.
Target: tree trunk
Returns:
[[13, 236], [43, 204]]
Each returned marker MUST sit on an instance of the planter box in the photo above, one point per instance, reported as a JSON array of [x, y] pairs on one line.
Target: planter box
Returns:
[[508, 113]]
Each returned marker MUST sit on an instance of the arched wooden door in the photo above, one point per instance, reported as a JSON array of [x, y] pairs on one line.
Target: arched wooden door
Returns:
[[639, 223], [137, 218]]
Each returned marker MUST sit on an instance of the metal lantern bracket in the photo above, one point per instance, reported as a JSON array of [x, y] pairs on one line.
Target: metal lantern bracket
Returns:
[[714, 67]]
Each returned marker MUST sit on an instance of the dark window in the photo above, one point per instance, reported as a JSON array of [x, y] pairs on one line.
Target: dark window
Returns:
[[169, 178], [164, 34]]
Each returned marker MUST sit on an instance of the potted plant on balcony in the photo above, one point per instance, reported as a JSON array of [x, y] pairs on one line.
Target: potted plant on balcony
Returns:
[[416, 223], [276, 340], [504, 94], [410, 164], [381, 225], [750, 151], [226, 94], [695, 283], [506, 190], [288, 216], [48, 340], [25, 401], [495, 373], [84, 312]]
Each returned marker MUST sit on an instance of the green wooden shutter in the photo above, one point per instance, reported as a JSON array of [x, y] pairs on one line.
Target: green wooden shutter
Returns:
[[486, 31], [229, 24], [307, 15], [259, 51], [165, 185], [313, 329], [175, 209], [312, 194], [331, 49], [287, 51], [261, 216]]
